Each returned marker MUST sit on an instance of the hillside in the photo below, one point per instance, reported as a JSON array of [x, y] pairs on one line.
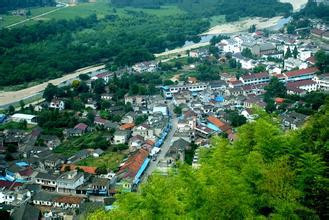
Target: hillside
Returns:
[[266, 173]]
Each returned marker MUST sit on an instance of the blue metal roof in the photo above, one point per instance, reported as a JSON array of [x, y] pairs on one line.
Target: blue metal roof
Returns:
[[2, 117], [213, 127], [141, 170], [219, 99]]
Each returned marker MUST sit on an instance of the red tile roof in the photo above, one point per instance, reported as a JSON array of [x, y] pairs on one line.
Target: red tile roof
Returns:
[[311, 60], [132, 165], [127, 126], [26, 172], [298, 84], [86, 169], [215, 121], [306, 71], [7, 184], [81, 126], [100, 120]]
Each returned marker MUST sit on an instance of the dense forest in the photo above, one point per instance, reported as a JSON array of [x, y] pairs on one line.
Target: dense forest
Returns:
[[50, 49], [6, 5], [265, 173], [233, 9]]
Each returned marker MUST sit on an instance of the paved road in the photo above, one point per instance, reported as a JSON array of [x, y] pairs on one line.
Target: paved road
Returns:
[[7, 98], [164, 148]]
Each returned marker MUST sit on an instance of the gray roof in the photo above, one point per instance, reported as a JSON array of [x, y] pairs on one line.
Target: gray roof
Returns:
[[180, 143], [26, 212], [45, 196], [45, 176]]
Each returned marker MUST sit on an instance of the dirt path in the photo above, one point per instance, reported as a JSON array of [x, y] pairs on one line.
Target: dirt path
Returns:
[[7, 98], [38, 16]]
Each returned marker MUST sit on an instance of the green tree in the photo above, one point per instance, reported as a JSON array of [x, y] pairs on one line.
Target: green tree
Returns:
[[50, 92], [252, 28], [295, 52], [288, 53]]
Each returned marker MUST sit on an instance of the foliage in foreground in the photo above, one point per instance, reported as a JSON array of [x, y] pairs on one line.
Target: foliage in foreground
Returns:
[[266, 173]]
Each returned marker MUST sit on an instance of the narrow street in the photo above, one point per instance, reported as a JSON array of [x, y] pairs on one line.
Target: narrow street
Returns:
[[165, 146]]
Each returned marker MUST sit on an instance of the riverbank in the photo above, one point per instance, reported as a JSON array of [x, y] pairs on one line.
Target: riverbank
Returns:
[[243, 25]]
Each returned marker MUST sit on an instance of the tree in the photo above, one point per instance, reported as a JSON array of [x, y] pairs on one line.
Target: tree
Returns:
[[274, 89], [288, 53], [178, 110], [252, 28], [11, 109], [101, 170], [322, 61], [266, 173], [236, 119], [259, 69], [291, 29], [246, 52], [50, 92], [84, 77], [99, 86], [75, 84], [295, 52]]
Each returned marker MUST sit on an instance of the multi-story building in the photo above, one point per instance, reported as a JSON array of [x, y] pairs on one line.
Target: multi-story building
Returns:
[[257, 78]]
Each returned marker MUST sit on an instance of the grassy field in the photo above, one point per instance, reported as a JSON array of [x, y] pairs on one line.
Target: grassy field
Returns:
[[11, 19], [110, 160], [101, 8]]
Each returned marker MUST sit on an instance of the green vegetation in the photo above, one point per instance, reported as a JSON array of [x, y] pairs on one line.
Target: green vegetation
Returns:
[[265, 174], [233, 9], [27, 53], [110, 160], [312, 10], [90, 140]]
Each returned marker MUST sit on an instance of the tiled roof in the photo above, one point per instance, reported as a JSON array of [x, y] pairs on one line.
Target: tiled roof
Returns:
[[86, 169], [100, 120], [127, 126], [69, 199], [81, 126], [306, 71], [7, 184], [298, 84], [255, 76], [131, 167], [215, 121]]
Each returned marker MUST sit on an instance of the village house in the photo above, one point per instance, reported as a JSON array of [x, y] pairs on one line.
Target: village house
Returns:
[[68, 202], [46, 181], [305, 85], [121, 136], [263, 49], [293, 120], [69, 181], [302, 74], [57, 104], [256, 78], [246, 63], [322, 81], [129, 169]]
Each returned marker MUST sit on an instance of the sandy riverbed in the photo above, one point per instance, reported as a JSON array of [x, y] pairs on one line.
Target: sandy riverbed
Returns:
[[296, 4], [233, 27]]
